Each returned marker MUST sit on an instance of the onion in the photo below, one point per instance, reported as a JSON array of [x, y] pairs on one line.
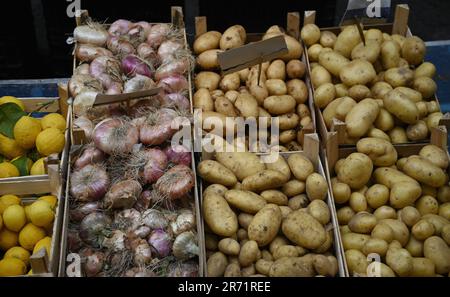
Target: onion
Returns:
[[114, 88], [185, 246], [114, 135], [106, 70], [83, 102], [93, 262], [138, 33], [119, 47], [132, 65], [185, 221], [154, 219], [155, 166], [145, 107], [128, 219], [174, 84], [142, 232], [120, 27], [79, 213], [139, 83], [84, 124], [142, 252], [82, 69], [89, 183], [157, 34], [80, 83], [172, 67], [88, 52], [123, 194], [144, 201], [183, 269], [161, 243], [158, 127], [90, 155], [73, 241], [169, 48], [93, 228], [178, 154], [146, 52], [139, 272], [176, 182], [176, 100], [116, 242], [92, 33]]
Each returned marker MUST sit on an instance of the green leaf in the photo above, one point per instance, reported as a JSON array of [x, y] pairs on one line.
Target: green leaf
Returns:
[[2, 158], [22, 165], [10, 113], [34, 155]]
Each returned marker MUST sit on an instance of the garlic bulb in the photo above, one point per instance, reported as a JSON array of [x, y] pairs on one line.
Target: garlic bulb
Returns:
[[185, 246]]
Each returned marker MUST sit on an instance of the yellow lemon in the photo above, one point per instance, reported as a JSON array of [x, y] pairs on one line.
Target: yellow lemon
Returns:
[[1, 222], [41, 213], [50, 141], [11, 99], [8, 239], [10, 148], [14, 218], [12, 267], [23, 164], [54, 120], [26, 130], [51, 199], [7, 200], [30, 235], [45, 242], [30, 272], [27, 213], [18, 252], [38, 167], [8, 170]]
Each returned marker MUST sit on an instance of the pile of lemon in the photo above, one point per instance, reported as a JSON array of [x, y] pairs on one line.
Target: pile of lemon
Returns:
[[46, 135], [24, 230]]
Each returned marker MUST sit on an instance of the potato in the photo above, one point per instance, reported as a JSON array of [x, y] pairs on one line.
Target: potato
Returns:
[[413, 50], [259, 92], [404, 194], [425, 85], [304, 230], [316, 186], [414, 247], [401, 232], [324, 95], [216, 94], [412, 95], [379, 269], [338, 108], [446, 234], [245, 220], [276, 70], [292, 267], [390, 177], [233, 270], [438, 252], [320, 211], [422, 230], [380, 151], [423, 267], [247, 105], [332, 61], [359, 92], [202, 100], [246, 201], [265, 225], [303, 123], [390, 54], [215, 189], [216, 265], [320, 76], [323, 266], [231, 95], [207, 60], [361, 117], [295, 49], [276, 87], [207, 41], [288, 121], [285, 251], [301, 167], [211, 241], [444, 210], [356, 170], [214, 172], [443, 194], [275, 197], [398, 135], [327, 39], [207, 79], [314, 52], [427, 204], [433, 120], [295, 69], [379, 89], [400, 261], [410, 216], [229, 246], [424, 171], [242, 234], [376, 246], [263, 266], [310, 34], [399, 76], [224, 106], [344, 215], [425, 69], [418, 131], [437, 221], [432, 106], [427, 190], [264, 180], [218, 215], [341, 90], [230, 82], [384, 232], [401, 106], [278, 163], [293, 187], [277, 105], [347, 40], [298, 90], [242, 164], [374, 34], [368, 51], [357, 72], [233, 37], [435, 155], [298, 202], [356, 261], [362, 223], [249, 253], [341, 192]]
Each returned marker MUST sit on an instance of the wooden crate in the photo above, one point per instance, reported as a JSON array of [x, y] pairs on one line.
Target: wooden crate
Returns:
[[41, 263], [292, 29], [311, 151], [55, 104], [334, 137]]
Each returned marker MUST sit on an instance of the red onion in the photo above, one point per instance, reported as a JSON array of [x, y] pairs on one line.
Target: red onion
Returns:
[[120, 47], [138, 33], [168, 48], [146, 52], [114, 89], [144, 201], [183, 269], [158, 127], [157, 34], [178, 154], [154, 219], [93, 262], [92, 33], [142, 232], [106, 70], [139, 83], [114, 135], [155, 166], [79, 213], [93, 228], [176, 100], [89, 183], [88, 52], [142, 252], [120, 27], [185, 221], [73, 240], [172, 67], [90, 155], [116, 241], [176, 182], [161, 243], [80, 83], [86, 125], [123, 194], [174, 84], [132, 65], [139, 272], [185, 246], [128, 219]]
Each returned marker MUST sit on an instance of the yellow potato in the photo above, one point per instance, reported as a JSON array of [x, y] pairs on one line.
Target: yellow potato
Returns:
[[316, 187], [358, 202], [298, 90], [400, 261], [293, 187], [390, 54], [327, 39], [425, 69], [310, 34], [380, 151], [245, 201], [356, 170], [412, 95], [249, 253], [341, 90], [288, 121], [276, 87], [361, 117], [301, 167], [276, 70], [399, 76], [398, 135], [368, 51], [247, 105], [218, 215], [362, 223], [319, 76], [216, 265], [438, 252], [275, 197], [295, 69], [304, 230], [314, 52], [385, 212], [425, 85], [379, 89], [230, 82], [264, 180], [320, 211], [427, 204], [277, 105], [413, 50], [278, 163], [344, 215], [233, 37], [357, 72], [207, 41], [377, 133], [229, 246], [202, 100], [292, 267], [401, 106], [332, 61], [338, 108], [401, 231], [265, 225], [356, 261], [374, 34], [423, 267], [435, 155], [214, 172], [424, 171], [359, 92], [207, 60], [377, 195], [242, 164], [324, 94], [347, 40], [375, 246], [384, 232], [295, 49], [418, 131]]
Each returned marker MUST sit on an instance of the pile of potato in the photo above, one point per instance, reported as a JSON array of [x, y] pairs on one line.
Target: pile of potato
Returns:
[[379, 89], [281, 92], [266, 218], [396, 208]]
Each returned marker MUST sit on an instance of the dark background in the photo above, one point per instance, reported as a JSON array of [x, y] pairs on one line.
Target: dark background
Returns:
[[33, 33]]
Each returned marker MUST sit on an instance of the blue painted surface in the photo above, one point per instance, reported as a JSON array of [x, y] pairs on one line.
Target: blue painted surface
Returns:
[[439, 55], [29, 90]]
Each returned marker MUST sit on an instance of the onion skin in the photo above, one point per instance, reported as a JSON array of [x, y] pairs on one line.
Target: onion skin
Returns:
[[146, 52], [178, 154], [185, 221], [114, 89], [129, 218], [90, 155], [168, 48], [172, 67], [79, 213], [120, 27], [120, 47], [92, 34], [88, 52], [174, 84], [183, 269], [106, 70], [82, 69], [142, 252], [82, 103], [73, 241], [157, 34], [159, 129], [185, 246], [86, 125], [161, 243], [139, 272], [93, 263], [89, 183], [123, 194], [132, 65], [144, 201], [142, 232], [176, 182], [176, 100], [115, 135], [154, 219], [155, 166], [139, 83], [92, 228], [80, 83]]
